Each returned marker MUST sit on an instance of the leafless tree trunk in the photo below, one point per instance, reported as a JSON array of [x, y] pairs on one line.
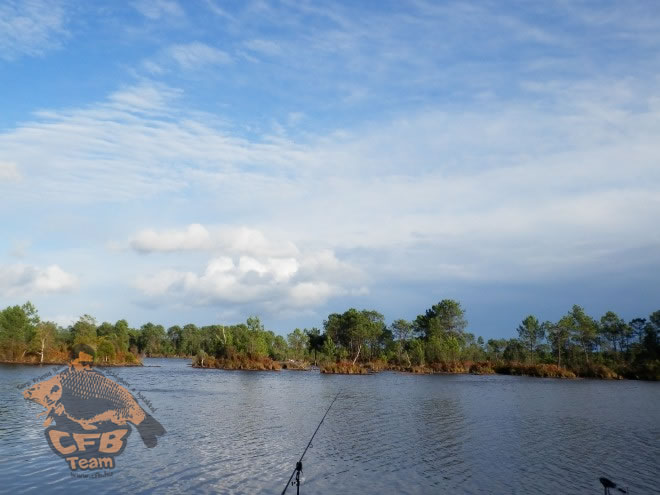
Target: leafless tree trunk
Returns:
[[358, 354]]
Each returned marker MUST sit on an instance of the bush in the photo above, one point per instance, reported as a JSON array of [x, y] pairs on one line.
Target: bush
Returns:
[[295, 365], [596, 371], [344, 368], [482, 369], [377, 365], [538, 370], [649, 370], [237, 362]]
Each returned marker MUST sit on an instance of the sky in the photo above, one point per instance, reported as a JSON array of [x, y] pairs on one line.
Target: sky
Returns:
[[208, 160]]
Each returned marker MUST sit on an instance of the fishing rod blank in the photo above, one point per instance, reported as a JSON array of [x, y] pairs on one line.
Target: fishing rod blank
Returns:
[[298, 468]]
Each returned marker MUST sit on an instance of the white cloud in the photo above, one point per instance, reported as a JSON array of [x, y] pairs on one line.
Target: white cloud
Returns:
[[266, 47], [508, 191], [226, 239], [23, 279], [269, 282], [213, 7], [30, 27], [9, 172], [259, 275], [158, 9], [142, 97], [152, 67], [194, 237], [306, 294], [195, 55]]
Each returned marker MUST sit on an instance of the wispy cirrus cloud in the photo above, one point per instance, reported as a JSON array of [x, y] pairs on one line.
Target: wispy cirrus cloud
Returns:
[[9, 172], [499, 191], [429, 144], [122, 147], [31, 28], [158, 9], [266, 47], [195, 55]]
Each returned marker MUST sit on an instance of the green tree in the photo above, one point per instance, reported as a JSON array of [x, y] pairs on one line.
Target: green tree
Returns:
[[279, 348], [531, 334], [298, 342], [105, 349], [152, 338], [558, 334], [175, 334], [434, 351], [84, 331], [584, 330], [446, 317], [356, 332], [17, 326], [417, 352], [402, 331], [44, 339], [495, 348], [329, 348], [316, 341], [191, 340], [121, 335], [514, 351], [637, 325], [105, 329], [256, 345], [472, 349], [613, 329]]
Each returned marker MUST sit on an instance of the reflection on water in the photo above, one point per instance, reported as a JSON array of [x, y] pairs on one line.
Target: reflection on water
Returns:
[[242, 432]]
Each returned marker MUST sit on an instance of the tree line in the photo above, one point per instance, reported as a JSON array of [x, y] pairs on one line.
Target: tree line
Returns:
[[436, 339]]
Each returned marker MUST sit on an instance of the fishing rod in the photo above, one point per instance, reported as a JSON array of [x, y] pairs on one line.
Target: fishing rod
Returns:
[[607, 484], [298, 468]]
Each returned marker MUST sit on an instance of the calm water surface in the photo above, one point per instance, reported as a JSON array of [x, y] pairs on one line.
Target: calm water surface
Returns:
[[242, 432]]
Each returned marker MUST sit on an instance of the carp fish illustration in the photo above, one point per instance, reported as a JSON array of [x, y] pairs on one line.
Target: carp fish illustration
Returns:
[[87, 397]]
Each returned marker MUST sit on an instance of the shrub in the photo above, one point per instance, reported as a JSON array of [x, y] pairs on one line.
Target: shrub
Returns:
[[238, 362], [539, 370], [597, 371], [482, 369], [295, 365], [344, 368]]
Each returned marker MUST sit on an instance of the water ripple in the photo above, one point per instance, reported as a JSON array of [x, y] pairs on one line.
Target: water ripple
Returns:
[[242, 432]]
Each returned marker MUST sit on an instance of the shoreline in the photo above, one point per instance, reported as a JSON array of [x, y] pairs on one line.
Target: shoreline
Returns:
[[467, 368], [510, 369], [66, 363]]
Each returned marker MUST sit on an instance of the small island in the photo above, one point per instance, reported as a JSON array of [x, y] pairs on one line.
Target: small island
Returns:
[[356, 342]]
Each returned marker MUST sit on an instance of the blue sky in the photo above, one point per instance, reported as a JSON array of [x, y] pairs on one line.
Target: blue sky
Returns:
[[203, 161]]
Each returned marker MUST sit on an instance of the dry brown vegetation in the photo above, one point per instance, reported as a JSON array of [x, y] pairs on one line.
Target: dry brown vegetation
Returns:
[[55, 357], [345, 368], [538, 370], [239, 362], [295, 365]]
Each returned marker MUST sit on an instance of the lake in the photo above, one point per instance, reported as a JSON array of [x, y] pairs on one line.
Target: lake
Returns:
[[242, 432]]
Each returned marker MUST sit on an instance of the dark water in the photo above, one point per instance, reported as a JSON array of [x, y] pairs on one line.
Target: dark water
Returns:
[[241, 432]]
